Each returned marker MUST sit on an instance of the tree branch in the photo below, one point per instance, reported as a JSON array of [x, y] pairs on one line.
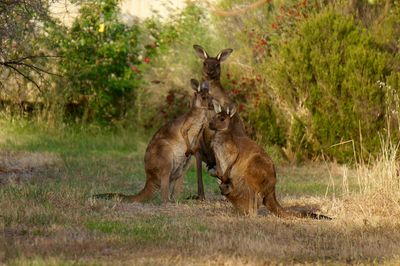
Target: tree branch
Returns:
[[25, 76]]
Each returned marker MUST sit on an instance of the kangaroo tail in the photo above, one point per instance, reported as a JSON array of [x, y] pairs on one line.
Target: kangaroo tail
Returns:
[[145, 194], [274, 207]]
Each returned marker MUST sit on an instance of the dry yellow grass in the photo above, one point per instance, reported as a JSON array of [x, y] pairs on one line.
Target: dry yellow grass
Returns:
[[50, 219], [210, 233], [194, 233]]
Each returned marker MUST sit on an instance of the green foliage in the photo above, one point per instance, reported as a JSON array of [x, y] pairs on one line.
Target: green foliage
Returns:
[[327, 77], [319, 68], [304, 74], [255, 35], [102, 62]]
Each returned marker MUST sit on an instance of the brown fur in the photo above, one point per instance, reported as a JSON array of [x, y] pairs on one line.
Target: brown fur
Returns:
[[245, 170], [211, 72], [168, 153]]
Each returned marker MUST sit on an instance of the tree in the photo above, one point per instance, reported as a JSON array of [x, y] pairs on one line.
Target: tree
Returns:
[[20, 23]]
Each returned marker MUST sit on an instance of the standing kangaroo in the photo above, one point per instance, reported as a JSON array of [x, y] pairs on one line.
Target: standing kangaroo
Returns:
[[168, 154], [211, 73], [245, 170]]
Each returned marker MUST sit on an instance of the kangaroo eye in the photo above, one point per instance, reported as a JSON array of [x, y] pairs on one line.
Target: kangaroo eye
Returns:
[[221, 119]]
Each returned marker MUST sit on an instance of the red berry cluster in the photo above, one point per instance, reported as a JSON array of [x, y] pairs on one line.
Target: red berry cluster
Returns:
[[294, 12]]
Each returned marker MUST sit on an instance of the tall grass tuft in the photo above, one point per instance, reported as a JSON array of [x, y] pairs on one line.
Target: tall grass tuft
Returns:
[[375, 188], [382, 174]]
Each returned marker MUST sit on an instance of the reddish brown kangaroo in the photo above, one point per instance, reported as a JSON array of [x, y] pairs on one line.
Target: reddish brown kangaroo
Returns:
[[212, 73], [168, 153], [245, 170]]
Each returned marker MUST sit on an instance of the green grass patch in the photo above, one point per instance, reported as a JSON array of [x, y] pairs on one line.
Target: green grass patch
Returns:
[[96, 160], [150, 229]]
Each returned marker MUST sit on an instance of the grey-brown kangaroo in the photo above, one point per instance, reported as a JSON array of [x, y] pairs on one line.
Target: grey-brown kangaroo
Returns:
[[211, 72], [169, 151], [245, 170]]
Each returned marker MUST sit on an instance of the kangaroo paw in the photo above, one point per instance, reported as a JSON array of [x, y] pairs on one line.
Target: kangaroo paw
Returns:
[[213, 172]]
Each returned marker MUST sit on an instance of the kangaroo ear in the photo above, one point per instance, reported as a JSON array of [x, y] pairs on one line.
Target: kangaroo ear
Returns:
[[231, 110], [217, 107], [195, 84], [200, 52], [224, 54]]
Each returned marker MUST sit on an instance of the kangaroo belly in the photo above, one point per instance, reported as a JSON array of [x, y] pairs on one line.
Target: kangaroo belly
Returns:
[[180, 165]]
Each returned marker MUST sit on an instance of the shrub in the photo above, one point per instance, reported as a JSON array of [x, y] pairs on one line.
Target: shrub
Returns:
[[102, 62], [326, 77], [319, 67]]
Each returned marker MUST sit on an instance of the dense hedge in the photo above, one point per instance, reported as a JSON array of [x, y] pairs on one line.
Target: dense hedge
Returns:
[[326, 77]]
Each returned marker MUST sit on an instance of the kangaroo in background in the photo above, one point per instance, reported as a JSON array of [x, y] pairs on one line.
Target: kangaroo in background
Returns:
[[245, 170], [211, 72], [168, 153]]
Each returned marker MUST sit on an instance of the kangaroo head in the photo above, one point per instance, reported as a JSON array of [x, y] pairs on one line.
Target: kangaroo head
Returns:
[[202, 98], [223, 116], [211, 65], [225, 187]]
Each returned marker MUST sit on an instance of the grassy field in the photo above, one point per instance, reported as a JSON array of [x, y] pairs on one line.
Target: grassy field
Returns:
[[48, 218]]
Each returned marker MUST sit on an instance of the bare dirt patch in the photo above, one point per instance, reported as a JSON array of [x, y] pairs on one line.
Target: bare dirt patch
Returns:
[[19, 167]]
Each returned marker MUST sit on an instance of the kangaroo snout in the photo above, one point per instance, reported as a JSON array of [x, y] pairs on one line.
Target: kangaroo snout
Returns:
[[212, 126], [225, 189]]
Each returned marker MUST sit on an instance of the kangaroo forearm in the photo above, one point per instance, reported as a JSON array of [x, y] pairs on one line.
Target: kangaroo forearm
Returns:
[[227, 173], [184, 133]]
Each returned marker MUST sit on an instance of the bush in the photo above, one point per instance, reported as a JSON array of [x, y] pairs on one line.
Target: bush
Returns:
[[103, 60], [319, 67], [326, 76]]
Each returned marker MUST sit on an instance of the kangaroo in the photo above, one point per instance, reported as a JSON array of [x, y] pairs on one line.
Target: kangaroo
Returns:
[[168, 153], [211, 72], [245, 170]]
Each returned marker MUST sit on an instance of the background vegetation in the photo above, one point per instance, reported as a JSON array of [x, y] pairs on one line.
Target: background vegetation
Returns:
[[309, 77]]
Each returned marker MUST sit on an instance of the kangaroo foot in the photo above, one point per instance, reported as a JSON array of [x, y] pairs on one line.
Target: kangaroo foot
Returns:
[[196, 197]]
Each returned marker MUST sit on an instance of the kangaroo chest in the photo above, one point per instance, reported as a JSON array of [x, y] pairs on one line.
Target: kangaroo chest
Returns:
[[225, 152], [181, 161], [196, 130]]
